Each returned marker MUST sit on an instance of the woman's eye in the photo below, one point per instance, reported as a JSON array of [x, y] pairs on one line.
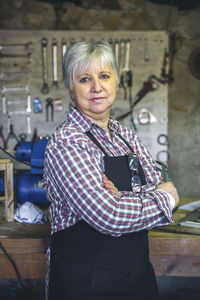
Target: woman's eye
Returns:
[[105, 76], [84, 79]]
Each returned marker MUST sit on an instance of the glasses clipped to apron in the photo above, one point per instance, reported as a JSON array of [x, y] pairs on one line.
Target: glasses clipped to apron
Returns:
[[125, 171], [134, 165]]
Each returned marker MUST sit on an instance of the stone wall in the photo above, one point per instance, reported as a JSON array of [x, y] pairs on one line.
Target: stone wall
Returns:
[[184, 106]]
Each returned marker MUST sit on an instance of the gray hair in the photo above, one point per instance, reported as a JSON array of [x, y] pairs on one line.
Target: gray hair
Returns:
[[82, 55]]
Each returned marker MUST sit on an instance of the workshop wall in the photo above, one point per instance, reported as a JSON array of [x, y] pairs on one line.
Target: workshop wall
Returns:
[[34, 97], [133, 15]]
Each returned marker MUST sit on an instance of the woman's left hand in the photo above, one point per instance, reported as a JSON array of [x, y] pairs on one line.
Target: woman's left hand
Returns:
[[110, 185]]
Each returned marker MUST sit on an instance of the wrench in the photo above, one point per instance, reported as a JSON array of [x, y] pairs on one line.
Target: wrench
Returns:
[[28, 108], [15, 89], [14, 55], [148, 86], [15, 46], [12, 77], [146, 50], [122, 55], [117, 52], [4, 103], [127, 55], [55, 66], [64, 47], [28, 120], [45, 88], [20, 112]]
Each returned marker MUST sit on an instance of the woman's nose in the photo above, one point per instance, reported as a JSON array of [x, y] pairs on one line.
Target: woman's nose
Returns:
[[96, 85]]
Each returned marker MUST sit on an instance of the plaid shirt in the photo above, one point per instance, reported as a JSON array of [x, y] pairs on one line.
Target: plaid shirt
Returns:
[[73, 172]]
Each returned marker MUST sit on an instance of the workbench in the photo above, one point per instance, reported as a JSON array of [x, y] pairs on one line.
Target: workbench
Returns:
[[174, 250]]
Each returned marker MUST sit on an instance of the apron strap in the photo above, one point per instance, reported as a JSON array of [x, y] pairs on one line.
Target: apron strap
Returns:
[[125, 142], [91, 136]]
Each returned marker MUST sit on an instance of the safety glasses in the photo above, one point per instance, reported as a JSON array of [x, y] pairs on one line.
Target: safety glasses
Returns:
[[133, 165]]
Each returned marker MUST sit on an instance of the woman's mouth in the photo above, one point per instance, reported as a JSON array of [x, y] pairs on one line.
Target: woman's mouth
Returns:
[[97, 99]]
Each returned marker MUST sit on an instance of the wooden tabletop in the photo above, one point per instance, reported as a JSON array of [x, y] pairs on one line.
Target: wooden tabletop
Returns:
[[174, 249]]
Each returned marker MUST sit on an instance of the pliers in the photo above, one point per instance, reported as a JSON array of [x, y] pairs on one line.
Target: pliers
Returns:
[[49, 105], [11, 134]]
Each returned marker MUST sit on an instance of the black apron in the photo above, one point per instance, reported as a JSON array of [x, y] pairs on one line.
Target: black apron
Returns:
[[88, 265]]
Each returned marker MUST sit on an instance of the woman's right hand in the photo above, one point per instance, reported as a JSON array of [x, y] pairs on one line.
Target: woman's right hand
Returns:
[[110, 186], [170, 188]]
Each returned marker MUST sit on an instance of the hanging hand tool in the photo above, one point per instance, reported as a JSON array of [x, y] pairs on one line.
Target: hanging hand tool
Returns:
[[162, 139], [16, 55], [148, 86], [143, 117], [124, 64], [2, 137], [161, 153], [117, 53], [49, 106], [11, 135], [121, 61], [54, 64], [22, 137], [129, 84], [24, 111], [146, 50], [4, 103], [127, 75], [45, 88], [16, 46], [13, 77], [14, 89], [64, 47]]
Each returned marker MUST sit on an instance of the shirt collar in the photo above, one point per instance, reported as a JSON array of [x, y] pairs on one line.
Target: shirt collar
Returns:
[[82, 123]]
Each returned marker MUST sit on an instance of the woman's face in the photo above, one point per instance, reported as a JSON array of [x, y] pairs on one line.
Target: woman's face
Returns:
[[94, 90]]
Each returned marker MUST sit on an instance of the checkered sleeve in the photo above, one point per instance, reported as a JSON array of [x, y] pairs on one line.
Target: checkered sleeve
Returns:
[[74, 173]]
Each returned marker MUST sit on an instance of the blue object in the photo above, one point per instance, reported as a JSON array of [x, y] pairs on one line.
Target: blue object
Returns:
[[30, 188], [37, 105], [37, 157], [28, 185], [23, 151]]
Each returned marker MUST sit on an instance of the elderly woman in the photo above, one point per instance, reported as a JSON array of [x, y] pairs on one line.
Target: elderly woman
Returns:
[[104, 189]]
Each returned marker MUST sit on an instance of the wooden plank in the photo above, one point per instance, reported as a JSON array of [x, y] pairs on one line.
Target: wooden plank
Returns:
[[173, 246], [29, 255], [3, 198], [25, 245], [4, 161], [176, 265], [2, 167], [9, 202], [29, 265]]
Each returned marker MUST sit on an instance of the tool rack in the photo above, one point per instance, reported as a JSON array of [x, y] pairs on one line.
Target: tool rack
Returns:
[[144, 53]]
